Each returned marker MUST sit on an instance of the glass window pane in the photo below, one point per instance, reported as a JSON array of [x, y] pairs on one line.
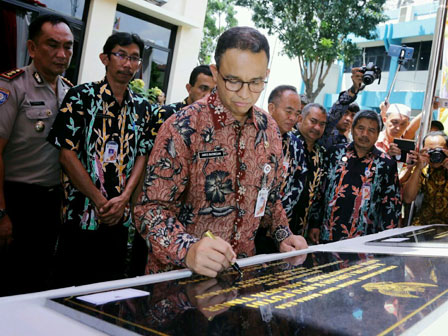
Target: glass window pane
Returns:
[[425, 53], [73, 8], [146, 30]]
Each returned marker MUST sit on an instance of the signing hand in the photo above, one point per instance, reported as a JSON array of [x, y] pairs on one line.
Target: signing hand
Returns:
[[210, 256]]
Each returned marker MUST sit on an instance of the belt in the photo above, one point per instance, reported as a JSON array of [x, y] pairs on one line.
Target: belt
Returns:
[[32, 187]]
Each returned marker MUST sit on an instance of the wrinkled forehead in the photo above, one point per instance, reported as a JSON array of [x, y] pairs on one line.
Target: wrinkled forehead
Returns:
[[397, 117], [435, 141]]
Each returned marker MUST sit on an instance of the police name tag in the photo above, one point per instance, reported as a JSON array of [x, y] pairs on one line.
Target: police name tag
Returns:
[[111, 152], [262, 199], [211, 155]]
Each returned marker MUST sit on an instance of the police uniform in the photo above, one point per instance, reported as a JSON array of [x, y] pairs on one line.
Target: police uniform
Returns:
[[28, 107]]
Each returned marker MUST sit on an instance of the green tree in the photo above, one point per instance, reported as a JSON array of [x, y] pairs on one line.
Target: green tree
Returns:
[[219, 17], [316, 31]]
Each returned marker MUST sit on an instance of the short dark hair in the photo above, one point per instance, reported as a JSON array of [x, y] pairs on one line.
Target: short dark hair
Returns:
[[243, 38], [200, 69], [122, 39], [36, 26], [437, 124], [368, 114], [436, 133], [307, 108], [353, 107], [278, 91]]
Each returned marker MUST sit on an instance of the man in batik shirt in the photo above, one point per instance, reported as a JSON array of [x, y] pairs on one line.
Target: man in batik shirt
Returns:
[[103, 133], [284, 105], [430, 178], [217, 165], [360, 191], [307, 176]]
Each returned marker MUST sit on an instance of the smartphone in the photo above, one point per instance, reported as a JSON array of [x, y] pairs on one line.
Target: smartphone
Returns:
[[405, 145]]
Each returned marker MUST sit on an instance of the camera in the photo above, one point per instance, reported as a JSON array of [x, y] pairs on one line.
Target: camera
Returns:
[[370, 73], [436, 155]]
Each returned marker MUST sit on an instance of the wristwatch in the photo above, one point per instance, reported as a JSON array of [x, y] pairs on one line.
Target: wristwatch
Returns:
[[3, 213]]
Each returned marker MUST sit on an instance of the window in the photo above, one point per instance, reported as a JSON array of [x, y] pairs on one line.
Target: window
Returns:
[[377, 55], [15, 17], [159, 43], [420, 58], [74, 8]]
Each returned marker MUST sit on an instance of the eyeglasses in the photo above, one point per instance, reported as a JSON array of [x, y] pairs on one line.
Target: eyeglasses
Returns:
[[123, 57], [234, 85]]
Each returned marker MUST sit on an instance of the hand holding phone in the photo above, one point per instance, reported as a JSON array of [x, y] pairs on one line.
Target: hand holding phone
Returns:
[[405, 146]]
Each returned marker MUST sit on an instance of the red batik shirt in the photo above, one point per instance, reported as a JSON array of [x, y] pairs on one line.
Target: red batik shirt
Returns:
[[205, 173]]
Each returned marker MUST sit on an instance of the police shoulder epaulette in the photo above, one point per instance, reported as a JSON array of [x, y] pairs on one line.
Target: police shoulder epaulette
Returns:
[[11, 74], [67, 82]]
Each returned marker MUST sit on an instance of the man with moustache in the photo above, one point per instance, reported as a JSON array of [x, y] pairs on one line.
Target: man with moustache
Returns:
[[216, 166], [311, 126], [30, 196], [360, 193], [103, 133]]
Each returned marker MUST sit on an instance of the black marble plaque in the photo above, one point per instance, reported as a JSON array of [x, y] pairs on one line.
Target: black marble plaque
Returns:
[[327, 294], [433, 236]]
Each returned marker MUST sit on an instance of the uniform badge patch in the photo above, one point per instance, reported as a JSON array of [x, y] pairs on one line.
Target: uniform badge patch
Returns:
[[11, 74], [4, 95], [37, 78]]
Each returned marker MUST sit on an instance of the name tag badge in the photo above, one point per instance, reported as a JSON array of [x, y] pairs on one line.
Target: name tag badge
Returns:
[[365, 191], [285, 166], [211, 155], [111, 152], [262, 199]]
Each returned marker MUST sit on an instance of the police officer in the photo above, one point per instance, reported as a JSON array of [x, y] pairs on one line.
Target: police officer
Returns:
[[30, 196]]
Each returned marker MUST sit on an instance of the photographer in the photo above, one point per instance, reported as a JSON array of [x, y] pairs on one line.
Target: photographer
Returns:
[[429, 176]]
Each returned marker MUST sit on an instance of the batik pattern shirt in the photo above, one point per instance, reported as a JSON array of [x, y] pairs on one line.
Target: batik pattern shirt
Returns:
[[331, 135], [89, 118], [165, 111], [359, 196], [434, 187], [205, 172], [305, 174]]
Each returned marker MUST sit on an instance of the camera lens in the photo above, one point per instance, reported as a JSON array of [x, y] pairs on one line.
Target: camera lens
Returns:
[[436, 155], [368, 78]]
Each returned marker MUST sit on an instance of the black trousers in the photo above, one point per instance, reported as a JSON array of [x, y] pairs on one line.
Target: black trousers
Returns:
[[87, 256], [27, 263]]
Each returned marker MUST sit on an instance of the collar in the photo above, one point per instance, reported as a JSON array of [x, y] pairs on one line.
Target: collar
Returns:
[[222, 116], [106, 93], [38, 79], [373, 153], [316, 147], [382, 141]]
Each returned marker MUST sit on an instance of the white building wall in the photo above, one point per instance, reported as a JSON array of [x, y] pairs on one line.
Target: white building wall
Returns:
[[188, 15], [100, 22]]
